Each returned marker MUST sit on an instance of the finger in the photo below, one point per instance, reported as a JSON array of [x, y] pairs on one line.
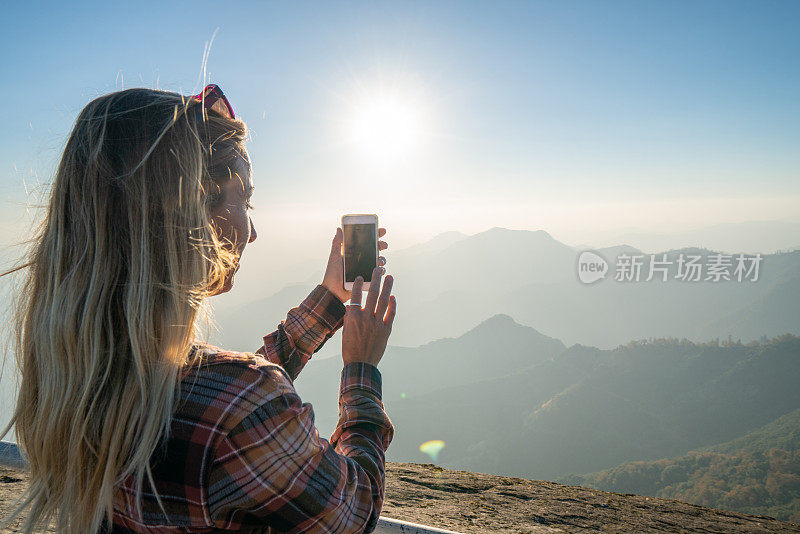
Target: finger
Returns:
[[381, 261], [381, 231], [390, 312], [336, 244], [355, 293], [374, 286], [386, 292], [382, 245]]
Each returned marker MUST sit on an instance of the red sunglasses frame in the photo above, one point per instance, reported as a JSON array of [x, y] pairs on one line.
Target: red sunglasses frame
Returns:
[[212, 98]]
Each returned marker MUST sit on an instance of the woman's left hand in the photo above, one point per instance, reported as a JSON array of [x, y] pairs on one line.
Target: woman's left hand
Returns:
[[334, 273]]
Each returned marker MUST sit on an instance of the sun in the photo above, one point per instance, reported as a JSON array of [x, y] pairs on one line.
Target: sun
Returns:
[[385, 128]]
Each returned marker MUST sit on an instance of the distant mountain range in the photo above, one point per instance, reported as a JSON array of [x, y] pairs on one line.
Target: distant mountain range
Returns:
[[749, 236], [448, 285]]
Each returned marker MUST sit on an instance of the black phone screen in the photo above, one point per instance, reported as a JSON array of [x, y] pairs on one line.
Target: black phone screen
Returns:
[[360, 245]]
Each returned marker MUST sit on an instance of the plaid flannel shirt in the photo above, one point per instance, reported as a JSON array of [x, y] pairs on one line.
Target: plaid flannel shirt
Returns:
[[243, 453]]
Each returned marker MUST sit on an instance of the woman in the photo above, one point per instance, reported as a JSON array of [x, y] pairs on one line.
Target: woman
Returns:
[[148, 217]]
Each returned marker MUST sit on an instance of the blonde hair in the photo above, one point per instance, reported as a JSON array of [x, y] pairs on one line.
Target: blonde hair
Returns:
[[106, 317]]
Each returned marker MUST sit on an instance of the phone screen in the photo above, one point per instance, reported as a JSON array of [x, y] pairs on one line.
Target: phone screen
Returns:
[[360, 257]]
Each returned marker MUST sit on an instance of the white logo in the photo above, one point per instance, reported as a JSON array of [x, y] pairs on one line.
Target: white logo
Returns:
[[591, 267]]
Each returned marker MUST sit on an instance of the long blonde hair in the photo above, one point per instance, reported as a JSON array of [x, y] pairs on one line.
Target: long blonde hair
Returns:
[[117, 274]]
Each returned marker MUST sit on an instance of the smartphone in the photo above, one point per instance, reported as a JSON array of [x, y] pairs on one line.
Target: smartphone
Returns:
[[360, 248]]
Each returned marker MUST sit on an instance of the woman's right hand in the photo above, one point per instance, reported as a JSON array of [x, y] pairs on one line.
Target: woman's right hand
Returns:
[[366, 330]]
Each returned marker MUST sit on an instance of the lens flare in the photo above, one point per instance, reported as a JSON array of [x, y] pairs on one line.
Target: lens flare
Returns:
[[432, 448]]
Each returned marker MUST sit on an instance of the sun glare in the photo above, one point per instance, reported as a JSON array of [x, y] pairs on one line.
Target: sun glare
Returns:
[[385, 128]]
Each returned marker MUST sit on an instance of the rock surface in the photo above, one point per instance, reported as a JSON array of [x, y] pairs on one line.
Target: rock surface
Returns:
[[476, 502]]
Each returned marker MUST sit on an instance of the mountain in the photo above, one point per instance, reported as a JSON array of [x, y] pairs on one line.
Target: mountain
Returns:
[[758, 473], [491, 349]]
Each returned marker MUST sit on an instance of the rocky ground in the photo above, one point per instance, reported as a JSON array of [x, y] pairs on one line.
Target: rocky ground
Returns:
[[475, 502]]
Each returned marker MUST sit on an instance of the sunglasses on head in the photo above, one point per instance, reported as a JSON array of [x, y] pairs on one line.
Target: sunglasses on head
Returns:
[[212, 98]]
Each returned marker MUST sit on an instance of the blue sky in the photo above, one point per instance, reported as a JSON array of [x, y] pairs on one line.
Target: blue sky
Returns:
[[567, 116]]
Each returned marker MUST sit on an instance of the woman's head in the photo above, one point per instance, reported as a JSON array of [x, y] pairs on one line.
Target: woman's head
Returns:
[[147, 216], [142, 174]]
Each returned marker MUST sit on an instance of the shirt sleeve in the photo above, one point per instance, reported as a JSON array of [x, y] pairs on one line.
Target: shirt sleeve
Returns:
[[305, 329], [273, 469]]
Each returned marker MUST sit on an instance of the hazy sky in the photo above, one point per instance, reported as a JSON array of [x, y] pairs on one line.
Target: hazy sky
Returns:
[[569, 116]]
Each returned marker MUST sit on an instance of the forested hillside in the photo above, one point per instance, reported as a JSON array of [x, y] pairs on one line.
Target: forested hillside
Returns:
[[758, 473]]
